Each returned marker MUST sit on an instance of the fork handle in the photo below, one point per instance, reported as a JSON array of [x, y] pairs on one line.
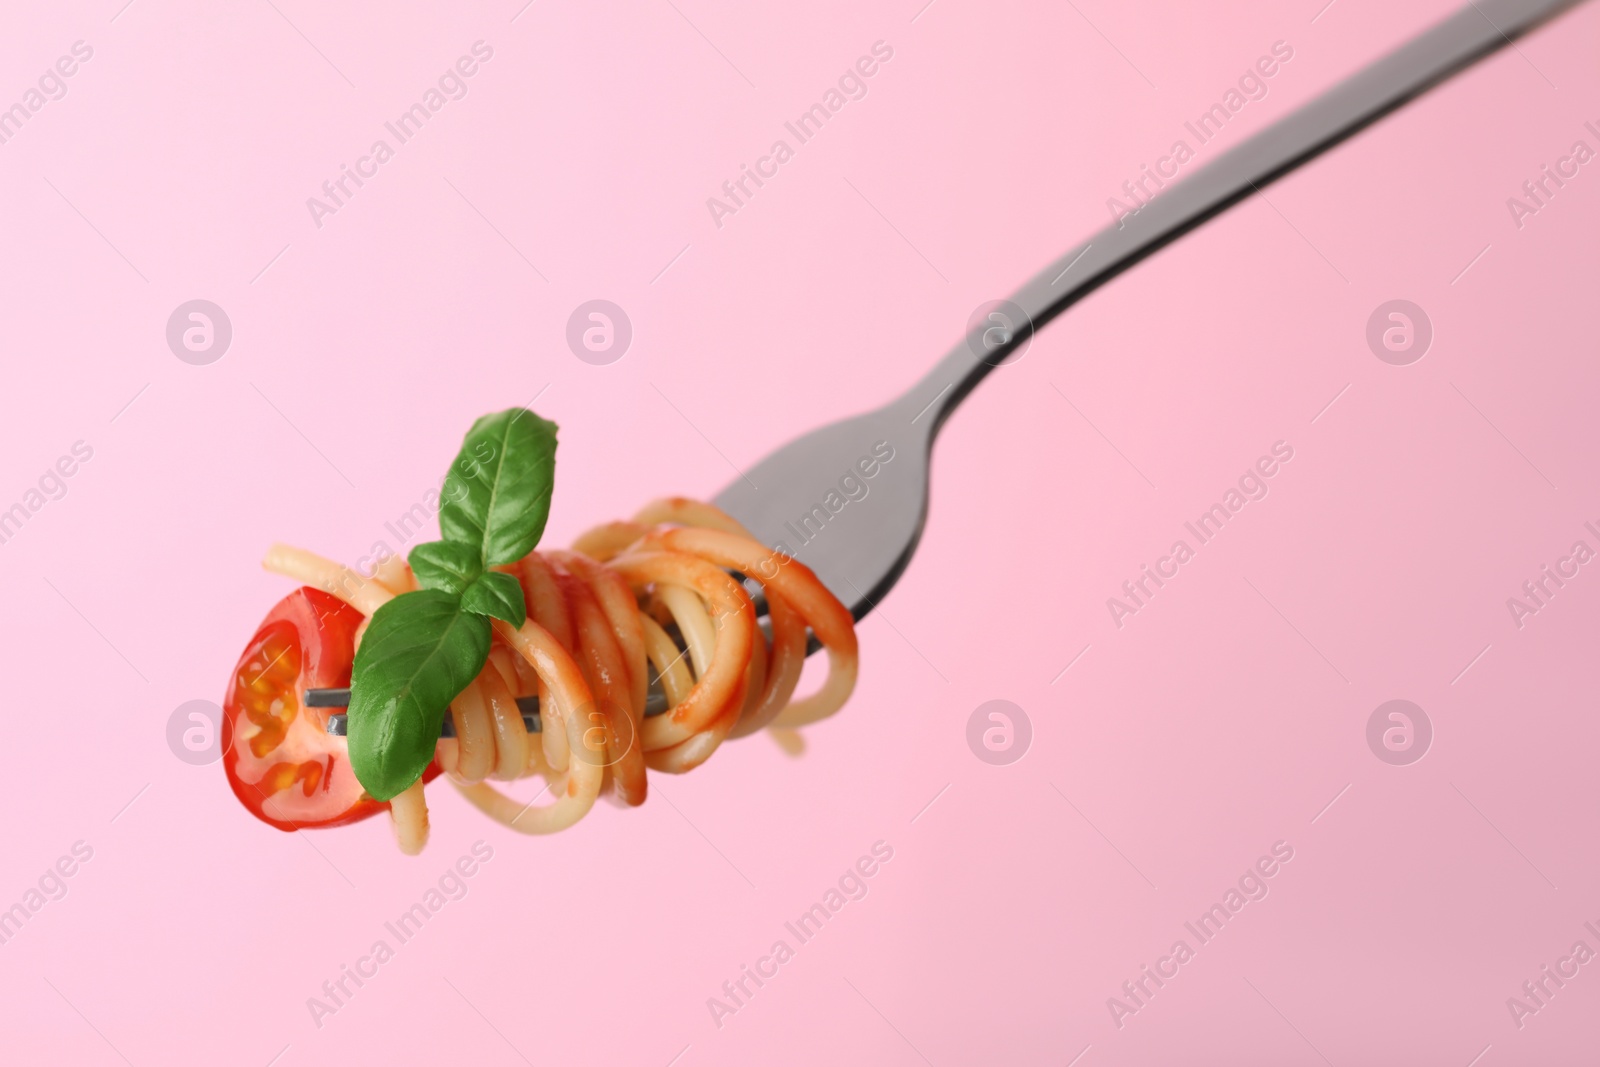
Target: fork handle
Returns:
[[1477, 30]]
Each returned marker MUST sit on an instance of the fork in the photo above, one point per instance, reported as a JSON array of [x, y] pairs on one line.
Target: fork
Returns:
[[861, 551], [849, 500]]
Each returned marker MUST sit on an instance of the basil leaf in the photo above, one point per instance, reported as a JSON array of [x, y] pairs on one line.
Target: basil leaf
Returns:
[[497, 594], [497, 494], [419, 651], [447, 565]]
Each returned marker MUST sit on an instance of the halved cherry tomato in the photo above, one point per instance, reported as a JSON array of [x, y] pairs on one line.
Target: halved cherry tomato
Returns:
[[281, 762]]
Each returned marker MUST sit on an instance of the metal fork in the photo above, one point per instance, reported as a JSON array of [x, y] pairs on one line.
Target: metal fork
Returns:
[[849, 500], [862, 549]]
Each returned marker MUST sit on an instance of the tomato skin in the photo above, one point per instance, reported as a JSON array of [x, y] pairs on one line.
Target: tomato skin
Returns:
[[280, 761]]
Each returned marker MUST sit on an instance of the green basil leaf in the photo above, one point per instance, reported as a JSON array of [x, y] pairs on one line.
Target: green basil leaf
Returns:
[[419, 651], [497, 494], [496, 594], [447, 565]]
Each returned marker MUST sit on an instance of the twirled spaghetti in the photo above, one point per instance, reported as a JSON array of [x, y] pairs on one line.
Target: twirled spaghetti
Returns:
[[598, 619]]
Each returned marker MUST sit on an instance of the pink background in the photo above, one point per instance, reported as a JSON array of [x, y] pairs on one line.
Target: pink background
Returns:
[[1221, 719]]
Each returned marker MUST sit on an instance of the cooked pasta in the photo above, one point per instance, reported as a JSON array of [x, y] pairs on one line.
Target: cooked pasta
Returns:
[[599, 623]]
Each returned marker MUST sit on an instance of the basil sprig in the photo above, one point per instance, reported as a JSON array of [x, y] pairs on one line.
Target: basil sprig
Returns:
[[421, 649]]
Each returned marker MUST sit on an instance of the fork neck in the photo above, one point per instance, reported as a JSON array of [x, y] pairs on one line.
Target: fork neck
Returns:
[[934, 397]]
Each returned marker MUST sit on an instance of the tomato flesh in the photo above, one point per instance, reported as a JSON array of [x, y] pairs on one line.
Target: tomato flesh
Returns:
[[280, 760]]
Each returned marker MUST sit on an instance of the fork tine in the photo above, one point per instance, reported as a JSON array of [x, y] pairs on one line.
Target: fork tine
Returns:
[[338, 722]]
